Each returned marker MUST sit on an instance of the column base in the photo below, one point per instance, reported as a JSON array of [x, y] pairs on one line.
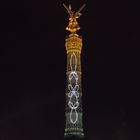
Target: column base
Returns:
[[71, 137], [74, 135]]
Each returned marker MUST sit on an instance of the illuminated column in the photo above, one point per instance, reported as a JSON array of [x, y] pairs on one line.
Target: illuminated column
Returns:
[[73, 126], [73, 44]]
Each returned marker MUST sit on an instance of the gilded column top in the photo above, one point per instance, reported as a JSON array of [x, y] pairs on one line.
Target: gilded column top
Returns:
[[73, 43]]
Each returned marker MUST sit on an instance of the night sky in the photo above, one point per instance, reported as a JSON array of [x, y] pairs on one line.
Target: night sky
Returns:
[[33, 65]]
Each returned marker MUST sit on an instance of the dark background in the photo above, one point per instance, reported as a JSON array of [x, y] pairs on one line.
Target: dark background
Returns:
[[33, 65]]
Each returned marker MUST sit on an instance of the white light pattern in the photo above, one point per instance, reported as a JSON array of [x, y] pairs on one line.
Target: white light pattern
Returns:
[[73, 87]]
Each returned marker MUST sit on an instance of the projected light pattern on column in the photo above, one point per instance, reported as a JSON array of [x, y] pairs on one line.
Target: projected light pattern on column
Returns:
[[73, 88], [73, 109]]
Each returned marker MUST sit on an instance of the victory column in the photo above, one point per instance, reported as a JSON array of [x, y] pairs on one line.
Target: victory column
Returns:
[[73, 109]]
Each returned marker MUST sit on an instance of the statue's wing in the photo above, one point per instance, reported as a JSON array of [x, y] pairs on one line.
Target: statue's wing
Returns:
[[68, 9], [78, 12]]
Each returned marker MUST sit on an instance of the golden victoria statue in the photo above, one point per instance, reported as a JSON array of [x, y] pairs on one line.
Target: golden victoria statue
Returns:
[[73, 24]]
